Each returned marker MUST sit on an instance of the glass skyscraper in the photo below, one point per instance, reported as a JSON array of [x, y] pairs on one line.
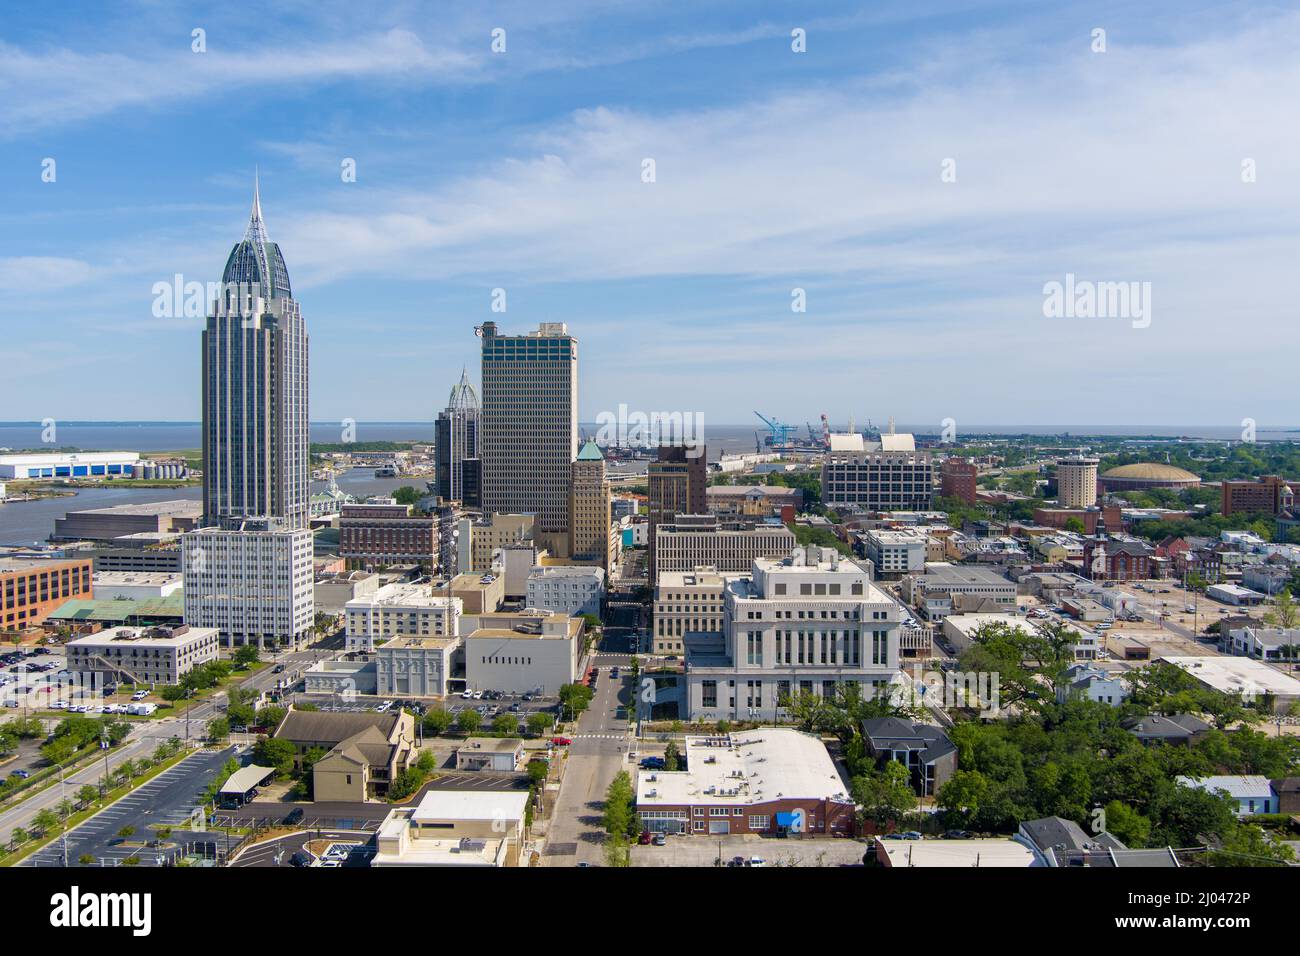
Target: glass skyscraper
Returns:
[[255, 435]]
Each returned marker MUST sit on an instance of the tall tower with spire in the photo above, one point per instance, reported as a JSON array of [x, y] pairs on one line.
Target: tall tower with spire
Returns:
[[255, 436], [457, 440]]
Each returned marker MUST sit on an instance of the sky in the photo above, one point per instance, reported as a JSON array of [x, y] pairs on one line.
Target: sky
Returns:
[[921, 171]]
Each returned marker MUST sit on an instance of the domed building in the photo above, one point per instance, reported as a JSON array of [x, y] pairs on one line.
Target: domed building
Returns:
[[1147, 474]]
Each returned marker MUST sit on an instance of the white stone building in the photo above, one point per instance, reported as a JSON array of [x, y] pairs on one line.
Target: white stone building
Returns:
[[568, 589], [397, 610]]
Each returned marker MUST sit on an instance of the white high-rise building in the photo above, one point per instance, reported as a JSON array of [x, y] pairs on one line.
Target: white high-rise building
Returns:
[[803, 624], [253, 584]]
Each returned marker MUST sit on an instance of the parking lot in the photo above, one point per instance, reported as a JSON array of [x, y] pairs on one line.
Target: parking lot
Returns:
[[705, 851], [168, 800]]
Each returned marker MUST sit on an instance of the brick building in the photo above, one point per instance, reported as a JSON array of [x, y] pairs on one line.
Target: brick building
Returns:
[[376, 535], [1271, 494], [30, 590], [958, 479]]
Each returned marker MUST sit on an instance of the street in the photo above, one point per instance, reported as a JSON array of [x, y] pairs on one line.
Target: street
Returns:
[[598, 752]]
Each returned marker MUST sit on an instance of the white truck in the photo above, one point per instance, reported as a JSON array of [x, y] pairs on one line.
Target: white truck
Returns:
[[140, 708]]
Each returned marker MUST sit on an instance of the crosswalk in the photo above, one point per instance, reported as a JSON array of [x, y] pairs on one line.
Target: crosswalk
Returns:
[[599, 736]]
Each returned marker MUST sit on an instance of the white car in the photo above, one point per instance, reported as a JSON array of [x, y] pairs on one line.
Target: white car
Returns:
[[478, 695], [467, 695], [60, 705], [383, 708], [140, 695]]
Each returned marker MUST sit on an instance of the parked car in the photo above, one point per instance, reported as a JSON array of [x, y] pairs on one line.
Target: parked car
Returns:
[[384, 707], [301, 858], [653, 763], [756, 861], [956, 834], [20, 774], [645, 838], [561, 741], [467, 695], [140, 695], [294, 816], [660, 839], [736, 861]]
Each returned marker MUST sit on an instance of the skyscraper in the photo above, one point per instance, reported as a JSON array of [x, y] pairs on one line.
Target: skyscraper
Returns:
[[677, 484], [255, 441], [589, 521], [248, 572], [457, 439], [1076, 481], [530, 426]]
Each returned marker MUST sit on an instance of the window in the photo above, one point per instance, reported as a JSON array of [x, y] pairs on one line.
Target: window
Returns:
[[759, 822]]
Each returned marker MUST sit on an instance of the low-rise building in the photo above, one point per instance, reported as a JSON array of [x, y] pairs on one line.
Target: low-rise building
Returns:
[[1250, 793], [1242, 677], [135, 585], [399, 609], [927, 752], [1004, 853], [364, 752], [1057, 842], [333, 591], [1182, 729], [566, 589], [415, 666], [944, 589], [1265, 643], [1234, 594], [1088, 681], [896, 552], [341, 678], [167, 518], [158, 655], [772, 780], [455, 828], [502, 754], [539, 652], [754, 501]]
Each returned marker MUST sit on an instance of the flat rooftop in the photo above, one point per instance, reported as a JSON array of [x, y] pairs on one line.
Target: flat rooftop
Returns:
[[185, 507], [1237, 675], [1006, 853], [135, 578], [34, 564], [744, 768], [136, 637], [438, 806], [940, 574], [421, 642]]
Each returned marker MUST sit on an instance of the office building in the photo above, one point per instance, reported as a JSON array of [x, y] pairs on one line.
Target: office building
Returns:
[[803, 624], [686, 602], [397, 610], [155, 655], [252, 583], [529, 425], [896, 552], [375, 536], [692, 541], [455, 828], [457, 446], [1271, 494], [415, 666], [478, 542], [566, 589], [676, 483], [30, 590], [255, 438], [591, 532], [1076, 482], [943, 589], [754, 501], [135, 585], [771, 781], [886, 475]]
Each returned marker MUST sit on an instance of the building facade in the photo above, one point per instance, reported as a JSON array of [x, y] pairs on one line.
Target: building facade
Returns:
[[1076, 480], [255, 436], [530, 426], [400, 610], [31, 590], [804, 624], [693, 541], [889, 475], [1271, 494], [686, 602], [380, 535], [540, 654], [566, 589], [591, 534], [155, 655], [676, 484], [415, 666], [456, 440], [958, 478], [253, 583]]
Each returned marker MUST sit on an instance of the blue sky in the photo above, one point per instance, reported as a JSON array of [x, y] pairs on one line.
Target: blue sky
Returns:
[[775, 170]]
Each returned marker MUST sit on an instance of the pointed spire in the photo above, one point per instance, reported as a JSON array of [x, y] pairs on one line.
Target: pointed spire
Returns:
[[256, 227]]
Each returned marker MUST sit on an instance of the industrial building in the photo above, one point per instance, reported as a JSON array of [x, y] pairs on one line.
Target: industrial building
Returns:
[[90, 464]]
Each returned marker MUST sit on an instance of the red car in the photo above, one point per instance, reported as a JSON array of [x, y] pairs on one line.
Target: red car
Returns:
[[644, 838], [561, 741]]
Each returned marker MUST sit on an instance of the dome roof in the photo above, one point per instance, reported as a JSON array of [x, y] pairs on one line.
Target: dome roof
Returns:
[[1151, 471]]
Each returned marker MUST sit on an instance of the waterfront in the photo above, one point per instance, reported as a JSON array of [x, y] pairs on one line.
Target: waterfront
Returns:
[[31, 522]]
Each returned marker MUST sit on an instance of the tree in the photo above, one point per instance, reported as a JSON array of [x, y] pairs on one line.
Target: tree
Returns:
[[619, 817], [539, 723], [537, 771], [218, 728], [437, 721], [245, 656], [1129, 826], [505, 724], [672, 756], [1284, 613], [87, 794], [884, 795], [407, 495], [271, 752], [45, 821], [86, 859], [172, 693], [426, 762], [574, 699], [469, 720], [618, 850], [1074, 524]]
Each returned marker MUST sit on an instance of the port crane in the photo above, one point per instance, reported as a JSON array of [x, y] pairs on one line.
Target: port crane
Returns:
[[778, 434]]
